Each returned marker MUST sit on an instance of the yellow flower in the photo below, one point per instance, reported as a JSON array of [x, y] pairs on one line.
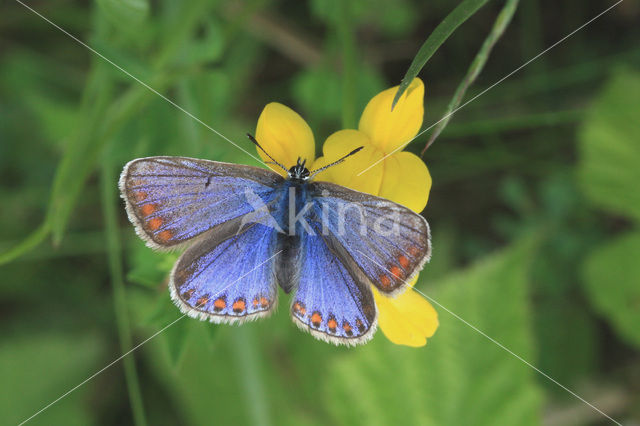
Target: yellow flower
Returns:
[[407, 319]]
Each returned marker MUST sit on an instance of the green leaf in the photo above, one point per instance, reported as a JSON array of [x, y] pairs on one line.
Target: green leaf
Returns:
[[125, 14], [208, 48], [567, 332], [175, 337], [609, 148], [611, 276], [148, 267], [460, 377], [464, 11]]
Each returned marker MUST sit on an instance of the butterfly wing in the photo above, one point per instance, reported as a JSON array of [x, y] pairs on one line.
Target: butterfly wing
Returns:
[[333, 300], [228, 275], [389, 243], [171, 200]]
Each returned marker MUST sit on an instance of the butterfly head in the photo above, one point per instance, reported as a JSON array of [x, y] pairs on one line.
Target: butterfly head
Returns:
[[299, 171]]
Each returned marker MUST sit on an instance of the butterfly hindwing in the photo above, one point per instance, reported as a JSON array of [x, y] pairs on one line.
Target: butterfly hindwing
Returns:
[[227, 276], [332, 301], [387, 241], [171, 200]]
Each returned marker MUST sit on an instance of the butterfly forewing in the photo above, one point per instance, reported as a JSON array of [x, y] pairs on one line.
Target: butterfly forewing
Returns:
[[171, 200], [388, 242]]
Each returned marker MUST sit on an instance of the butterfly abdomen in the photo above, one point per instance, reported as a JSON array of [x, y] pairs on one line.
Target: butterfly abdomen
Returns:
[[288, 265], [293, 203]]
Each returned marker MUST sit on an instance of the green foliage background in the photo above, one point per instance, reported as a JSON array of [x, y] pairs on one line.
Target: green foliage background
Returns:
[[534, 210]]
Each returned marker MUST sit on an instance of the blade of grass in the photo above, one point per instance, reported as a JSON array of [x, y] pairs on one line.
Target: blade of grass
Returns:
[[80, 152], [109, 204], [79, 161], [496, 125], [464, 11], [98, 124], [499, 26], [33, 240], [347, 42]]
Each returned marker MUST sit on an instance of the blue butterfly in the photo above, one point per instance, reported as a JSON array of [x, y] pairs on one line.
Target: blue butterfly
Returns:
[[249, 230]]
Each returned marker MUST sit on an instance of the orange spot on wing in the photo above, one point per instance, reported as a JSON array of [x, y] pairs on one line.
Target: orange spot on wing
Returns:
[[239, 306], [360, 326], [140, 196], [347, 328], [413, 251], [165, 235], [332, 324], [385, 281], [147, 209], [155, 223], [403, 261], [299, 309], [260, 302], [219, 304], [202, 301], [396, 272], [316, 319]]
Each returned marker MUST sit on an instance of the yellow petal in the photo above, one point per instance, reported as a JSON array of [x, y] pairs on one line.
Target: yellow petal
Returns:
[[388, 129], [284, 135], [346, 173], [408, 319], [406, 181]]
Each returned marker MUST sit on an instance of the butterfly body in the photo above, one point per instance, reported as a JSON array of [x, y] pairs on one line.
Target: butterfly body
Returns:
[[250, 230]]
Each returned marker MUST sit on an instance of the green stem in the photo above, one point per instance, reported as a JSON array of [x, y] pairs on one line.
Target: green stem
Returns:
[[243, 345], [349, 90], [499, 26], [109, 197]]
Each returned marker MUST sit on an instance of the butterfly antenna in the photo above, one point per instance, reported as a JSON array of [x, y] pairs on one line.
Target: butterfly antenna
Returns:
[[315, 172], [273, 161]]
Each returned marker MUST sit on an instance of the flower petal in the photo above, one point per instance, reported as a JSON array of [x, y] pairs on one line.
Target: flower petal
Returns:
[[284, 135], [408, 319], [346, 174], [406, 181], [388, 129]]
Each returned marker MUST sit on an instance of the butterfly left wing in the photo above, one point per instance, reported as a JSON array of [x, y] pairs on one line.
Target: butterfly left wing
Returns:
[[333, 300], [227, 276], [171, 200], [388, 242]]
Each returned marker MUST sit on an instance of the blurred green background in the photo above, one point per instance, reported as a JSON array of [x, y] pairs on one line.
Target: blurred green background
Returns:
[[534, 211]]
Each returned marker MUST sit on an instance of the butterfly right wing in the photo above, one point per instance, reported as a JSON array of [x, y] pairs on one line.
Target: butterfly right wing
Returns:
[[171, 200], [389, 243]]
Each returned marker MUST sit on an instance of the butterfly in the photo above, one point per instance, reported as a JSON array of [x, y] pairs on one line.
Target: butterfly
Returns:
[[249, 230]]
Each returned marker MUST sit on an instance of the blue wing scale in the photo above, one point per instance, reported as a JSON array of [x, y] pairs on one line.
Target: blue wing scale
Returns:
[[227, 279]]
